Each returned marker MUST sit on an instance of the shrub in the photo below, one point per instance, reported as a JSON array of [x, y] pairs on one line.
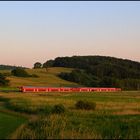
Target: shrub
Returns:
[[34, 75], [85, 105], [19, 72], [3, 80], [58, 109]]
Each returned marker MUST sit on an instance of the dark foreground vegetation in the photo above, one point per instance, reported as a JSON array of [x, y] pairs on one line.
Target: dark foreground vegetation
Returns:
[[100, 71]]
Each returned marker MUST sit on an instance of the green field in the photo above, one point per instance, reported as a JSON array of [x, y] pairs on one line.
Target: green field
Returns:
[[8, 124], [116, 116]]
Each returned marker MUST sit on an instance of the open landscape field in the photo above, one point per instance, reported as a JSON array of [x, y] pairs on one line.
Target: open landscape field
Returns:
[[117, 115], [55, 115], [69, 70]]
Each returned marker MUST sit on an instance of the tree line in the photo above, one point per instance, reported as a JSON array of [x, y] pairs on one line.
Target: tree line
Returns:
[[9, 67]]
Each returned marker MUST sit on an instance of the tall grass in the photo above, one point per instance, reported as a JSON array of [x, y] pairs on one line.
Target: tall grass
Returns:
[[110, 119], [26, 106], [67, 127], [53, 127]]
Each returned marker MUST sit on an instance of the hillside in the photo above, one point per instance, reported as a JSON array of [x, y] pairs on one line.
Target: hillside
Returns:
[[100, 71], [46, 78]]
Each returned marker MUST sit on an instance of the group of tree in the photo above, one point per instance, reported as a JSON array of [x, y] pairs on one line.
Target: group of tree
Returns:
[[99, 71], [47, 64], [19, 72], [37, 65]]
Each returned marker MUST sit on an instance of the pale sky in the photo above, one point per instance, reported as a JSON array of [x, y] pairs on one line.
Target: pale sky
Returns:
[[38, 31]]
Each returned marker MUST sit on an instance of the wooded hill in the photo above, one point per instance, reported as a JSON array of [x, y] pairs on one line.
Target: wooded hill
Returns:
[[99, 71]]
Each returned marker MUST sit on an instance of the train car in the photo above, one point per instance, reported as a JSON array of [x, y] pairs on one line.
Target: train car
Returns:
[[67, 89]]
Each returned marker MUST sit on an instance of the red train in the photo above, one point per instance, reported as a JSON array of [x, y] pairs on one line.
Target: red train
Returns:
[[67, 89]]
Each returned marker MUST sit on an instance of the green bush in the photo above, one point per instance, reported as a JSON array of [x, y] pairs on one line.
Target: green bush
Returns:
[[85, 105], [34, 75], [58, 109], [19, 72], [3, 80]]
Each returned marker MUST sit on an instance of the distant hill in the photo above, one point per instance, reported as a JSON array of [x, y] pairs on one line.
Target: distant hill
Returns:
[[9, 67], [100, 71]]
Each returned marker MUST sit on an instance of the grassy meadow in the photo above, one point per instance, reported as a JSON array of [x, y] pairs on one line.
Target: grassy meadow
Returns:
[[116, 116], [46, 78], [8, 124]]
